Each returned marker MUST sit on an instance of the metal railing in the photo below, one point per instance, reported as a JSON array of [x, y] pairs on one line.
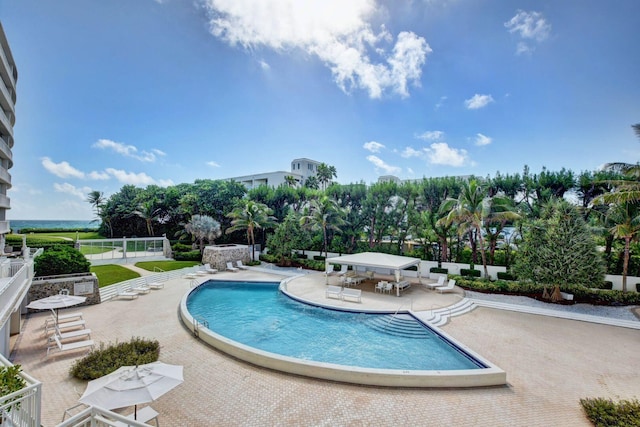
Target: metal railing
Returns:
[[22, 407], [94, 416]]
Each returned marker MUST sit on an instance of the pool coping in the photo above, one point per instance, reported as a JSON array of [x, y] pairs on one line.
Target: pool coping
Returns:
[[491, 375]]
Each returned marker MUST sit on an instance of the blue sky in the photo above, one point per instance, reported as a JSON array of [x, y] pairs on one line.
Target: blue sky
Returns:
[[164, 92]]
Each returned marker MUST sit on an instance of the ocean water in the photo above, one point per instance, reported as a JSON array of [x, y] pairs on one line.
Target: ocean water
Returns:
[[18, 224]]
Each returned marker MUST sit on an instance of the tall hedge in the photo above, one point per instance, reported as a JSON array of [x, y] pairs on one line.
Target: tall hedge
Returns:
[[61, 259]]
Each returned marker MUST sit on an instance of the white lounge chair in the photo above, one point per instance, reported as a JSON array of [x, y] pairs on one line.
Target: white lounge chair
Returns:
[[231, 268], [241, 266], [343, 270], [143, 415], [71, 334], [155, 284], [352, 294], [209, 269], [438, 284], [448, 288], [121, 293], [141, 289], [64, 326], [333, 292], [69, 346], [61, 318]]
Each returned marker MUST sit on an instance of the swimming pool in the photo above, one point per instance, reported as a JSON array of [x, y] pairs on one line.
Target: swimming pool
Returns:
[[259, 324]]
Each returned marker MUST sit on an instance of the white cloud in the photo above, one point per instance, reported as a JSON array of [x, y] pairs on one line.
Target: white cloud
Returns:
[[381, 165], [129, 150], [72, 189], [336, 32], [483, 140], [531, 26], [440, 103], [431, 135], [102, 176], [478, 101], [264, 65], [373, 146], [213, 164], [440, 153], [137, 179], [409, 152], [62, 169]]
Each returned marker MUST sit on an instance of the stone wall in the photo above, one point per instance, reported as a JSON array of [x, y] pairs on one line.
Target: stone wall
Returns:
[[85, 285], [218, 256]]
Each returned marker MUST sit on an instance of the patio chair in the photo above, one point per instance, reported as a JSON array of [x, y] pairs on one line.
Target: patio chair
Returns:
[[388, 287], [209, 269], [241, 266], [380, 286], [121, 293], [448, 288], [231, 268], [436, 285]]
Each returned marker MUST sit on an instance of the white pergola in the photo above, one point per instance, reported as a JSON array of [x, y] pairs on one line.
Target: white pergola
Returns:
[[395, 263]]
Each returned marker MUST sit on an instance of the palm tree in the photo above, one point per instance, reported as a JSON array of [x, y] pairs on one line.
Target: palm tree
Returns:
[[325, 174], [625, 190], [148, 212], [626, 217], [203, 227], [323, 214], [312, 182], [97, 200], [251, 216], [472, 209], [290, 180]]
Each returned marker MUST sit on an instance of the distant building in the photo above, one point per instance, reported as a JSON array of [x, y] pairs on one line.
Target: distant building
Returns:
[[8, 79], [301, 170]]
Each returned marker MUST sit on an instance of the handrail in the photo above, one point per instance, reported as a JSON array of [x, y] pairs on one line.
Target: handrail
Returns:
[[197, 321], [393, 316]]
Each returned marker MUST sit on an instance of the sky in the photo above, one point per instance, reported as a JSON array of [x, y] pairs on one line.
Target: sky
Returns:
[[169, 91]]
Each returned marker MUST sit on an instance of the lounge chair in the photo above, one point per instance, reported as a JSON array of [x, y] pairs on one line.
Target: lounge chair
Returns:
[[142, 415], [155, 284], [71, 334], [141, 289], [448, 288], [209, 269], [64, 326], [333, 292], [231, 268], [241, 266], [126, 294], [436, 285], [69, 346], [61, 318], [352, 294], [343, 270]]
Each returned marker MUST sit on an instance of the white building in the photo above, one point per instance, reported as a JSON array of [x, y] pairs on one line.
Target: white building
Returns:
[[8, 78], [301, 170]]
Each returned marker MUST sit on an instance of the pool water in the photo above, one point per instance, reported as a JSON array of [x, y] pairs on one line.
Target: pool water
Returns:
[[257, 314]]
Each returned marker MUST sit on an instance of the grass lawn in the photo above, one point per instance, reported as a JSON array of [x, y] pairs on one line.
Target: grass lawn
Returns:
[[165, 265], [112, 273], [82, 235], [89, 250]]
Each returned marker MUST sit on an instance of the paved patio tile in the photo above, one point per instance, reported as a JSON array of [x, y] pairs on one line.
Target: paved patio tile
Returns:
[[550, 363]]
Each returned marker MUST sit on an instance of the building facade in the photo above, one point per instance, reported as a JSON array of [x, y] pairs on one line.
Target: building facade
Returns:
[[301, 170], [8, 79]]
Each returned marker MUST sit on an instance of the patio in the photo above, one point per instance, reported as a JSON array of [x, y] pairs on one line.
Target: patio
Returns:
[[550, 363]]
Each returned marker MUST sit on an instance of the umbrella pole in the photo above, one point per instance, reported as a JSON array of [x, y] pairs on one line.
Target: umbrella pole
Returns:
[[135, 412]]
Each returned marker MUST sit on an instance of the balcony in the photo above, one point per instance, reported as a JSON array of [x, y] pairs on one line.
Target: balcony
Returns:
[[21, 408], [5, 123], [5, 227], [5, 177], [8, 71], [5, 151]]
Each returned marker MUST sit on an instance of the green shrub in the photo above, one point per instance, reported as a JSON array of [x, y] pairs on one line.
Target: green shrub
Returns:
[[605, 412], [637, 287], [439, 270], [11, 381], [253, 263], [60, 259], [106, 359], [607, 285], [181, 247], [272, 259], [470, 272], [505, 276], [188, 256], [319, 258]]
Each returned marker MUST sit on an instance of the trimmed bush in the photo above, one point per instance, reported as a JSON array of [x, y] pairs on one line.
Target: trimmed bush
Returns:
[[607, 285], [505, 276], [469, 272], [605, 412], [106, 359], [439, 270], [188, 256], [60, 259], [181, 247], [318, 258], [637, 287]]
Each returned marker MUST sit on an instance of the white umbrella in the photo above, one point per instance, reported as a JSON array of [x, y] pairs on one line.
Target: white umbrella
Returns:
[[55, 302], [132, 385]]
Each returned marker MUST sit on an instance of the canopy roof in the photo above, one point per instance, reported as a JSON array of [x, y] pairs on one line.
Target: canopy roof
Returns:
[[375, 259]]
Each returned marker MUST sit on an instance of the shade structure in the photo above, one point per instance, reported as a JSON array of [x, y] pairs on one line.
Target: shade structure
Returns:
[[56, 302], [132, 385]]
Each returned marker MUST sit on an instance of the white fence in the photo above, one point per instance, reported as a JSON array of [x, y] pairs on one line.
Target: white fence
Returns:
[[22, 407]]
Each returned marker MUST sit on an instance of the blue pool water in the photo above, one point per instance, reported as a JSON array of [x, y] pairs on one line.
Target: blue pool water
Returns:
[[258, 315]]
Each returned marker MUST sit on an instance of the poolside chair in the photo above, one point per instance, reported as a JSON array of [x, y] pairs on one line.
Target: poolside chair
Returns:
[[231, 268], [448, 288], [343, 270], [241, 266], [380, 286], [388, 287], [141, 289], [209, 269], [121, 293], [436, 285], [333, 292]]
